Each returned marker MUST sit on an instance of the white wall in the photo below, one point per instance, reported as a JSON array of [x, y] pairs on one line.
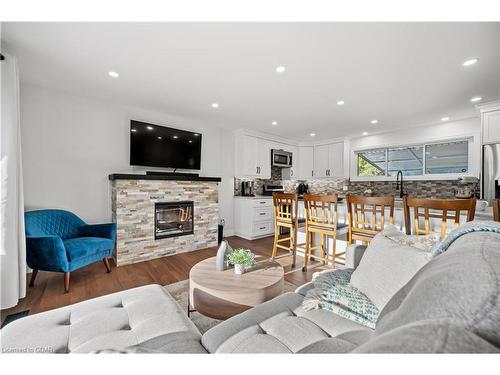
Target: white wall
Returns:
[[468, 128], [71, 144]]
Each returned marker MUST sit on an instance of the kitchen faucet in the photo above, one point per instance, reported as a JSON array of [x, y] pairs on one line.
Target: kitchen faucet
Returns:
[[398, 186]]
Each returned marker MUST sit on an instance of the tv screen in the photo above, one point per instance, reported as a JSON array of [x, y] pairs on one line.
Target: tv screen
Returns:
[[159, 146]]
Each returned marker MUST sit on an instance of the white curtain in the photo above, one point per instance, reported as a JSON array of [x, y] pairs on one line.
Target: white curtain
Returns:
[[12, 239]]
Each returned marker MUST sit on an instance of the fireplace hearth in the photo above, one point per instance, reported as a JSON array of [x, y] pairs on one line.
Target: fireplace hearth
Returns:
[[173, 219]]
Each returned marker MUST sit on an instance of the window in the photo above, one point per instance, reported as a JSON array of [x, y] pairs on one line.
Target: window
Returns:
[[452, 157], [409, 160], [371, 163], [418, 160]]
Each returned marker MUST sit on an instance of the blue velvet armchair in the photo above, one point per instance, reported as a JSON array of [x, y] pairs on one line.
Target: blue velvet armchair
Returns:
[[59, 241]]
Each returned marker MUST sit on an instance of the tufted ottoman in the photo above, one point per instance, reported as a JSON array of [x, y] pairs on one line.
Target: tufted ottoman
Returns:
[[141, 315]]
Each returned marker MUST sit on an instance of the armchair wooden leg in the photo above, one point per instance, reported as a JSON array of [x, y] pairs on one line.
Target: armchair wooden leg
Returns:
[[33, 277], [106, 263], [66, 282]]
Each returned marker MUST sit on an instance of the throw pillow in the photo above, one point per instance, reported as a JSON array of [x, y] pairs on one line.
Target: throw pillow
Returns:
[[387, 265]]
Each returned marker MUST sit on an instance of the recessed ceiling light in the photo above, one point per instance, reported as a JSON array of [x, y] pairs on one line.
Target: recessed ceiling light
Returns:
[[374, 122], [274, 123], [196, 134], [313, 134], [175, 137], [434, 157], [280, 69], [160, 138], [215, 105], [476, 99], [445, 119], [150, 128], [133, 130], [340, 102], [365, 133], [113, 74], [470, 62]]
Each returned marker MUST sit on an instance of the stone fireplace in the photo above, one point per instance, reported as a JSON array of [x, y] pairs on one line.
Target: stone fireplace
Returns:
[[173, 219], [158, 216]]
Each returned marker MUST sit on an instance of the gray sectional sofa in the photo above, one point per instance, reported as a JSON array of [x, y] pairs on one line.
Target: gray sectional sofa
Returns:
[[451, 305]]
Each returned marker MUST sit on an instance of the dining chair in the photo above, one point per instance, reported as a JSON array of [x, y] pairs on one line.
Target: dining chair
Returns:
[[321, 213], [366, 216], [444, 209], [285, 216], [496, 209]]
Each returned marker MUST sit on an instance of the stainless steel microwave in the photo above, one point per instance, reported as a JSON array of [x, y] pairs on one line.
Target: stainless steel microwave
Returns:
[[282, 159]]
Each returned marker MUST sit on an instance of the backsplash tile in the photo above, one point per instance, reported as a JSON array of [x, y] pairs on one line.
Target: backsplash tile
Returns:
[[444, 189]]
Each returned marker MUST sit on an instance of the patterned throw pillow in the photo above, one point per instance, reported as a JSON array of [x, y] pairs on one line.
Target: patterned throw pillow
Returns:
[[422, 242], [333, 292]]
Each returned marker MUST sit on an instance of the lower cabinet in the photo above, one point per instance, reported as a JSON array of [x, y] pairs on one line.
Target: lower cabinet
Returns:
[[253, 217]]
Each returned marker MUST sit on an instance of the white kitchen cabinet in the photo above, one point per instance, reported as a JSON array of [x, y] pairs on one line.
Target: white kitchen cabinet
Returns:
[[329, 160], [253, 157], [491, 126], [253, 217], [305, 162]]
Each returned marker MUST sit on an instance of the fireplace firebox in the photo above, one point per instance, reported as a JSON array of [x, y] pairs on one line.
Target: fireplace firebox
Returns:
[[173, 219]]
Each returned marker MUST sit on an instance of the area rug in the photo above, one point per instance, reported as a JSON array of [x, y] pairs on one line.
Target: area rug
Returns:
[[180, 292]]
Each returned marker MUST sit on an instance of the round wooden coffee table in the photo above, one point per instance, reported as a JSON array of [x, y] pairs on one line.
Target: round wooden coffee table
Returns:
[[223, 294]]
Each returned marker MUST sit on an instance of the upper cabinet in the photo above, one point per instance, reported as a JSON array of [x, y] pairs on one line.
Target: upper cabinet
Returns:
[[305, 162], [329, 160], [292, 172], [253, 157], [491, 126]]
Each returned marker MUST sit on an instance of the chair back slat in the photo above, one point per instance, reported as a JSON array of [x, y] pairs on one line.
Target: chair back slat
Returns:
[[430, 206], [321, 210], [285, 207], [358, 207]]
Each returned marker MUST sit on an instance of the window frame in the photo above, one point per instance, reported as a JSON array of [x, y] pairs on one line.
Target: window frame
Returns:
[[424, 175]]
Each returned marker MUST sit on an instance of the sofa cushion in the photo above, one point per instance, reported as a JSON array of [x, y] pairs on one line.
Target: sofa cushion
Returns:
[[386, 266], [277, 326], [428, 337], [459, 287], [114, 321]]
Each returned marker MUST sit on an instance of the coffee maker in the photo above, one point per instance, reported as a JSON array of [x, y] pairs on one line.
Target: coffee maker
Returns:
[[247, 189], [302, 189]]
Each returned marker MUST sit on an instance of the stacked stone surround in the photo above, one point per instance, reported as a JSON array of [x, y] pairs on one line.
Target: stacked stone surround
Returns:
[[133, 212]]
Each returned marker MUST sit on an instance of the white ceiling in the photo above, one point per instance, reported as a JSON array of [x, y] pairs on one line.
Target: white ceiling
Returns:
[[403, 74]]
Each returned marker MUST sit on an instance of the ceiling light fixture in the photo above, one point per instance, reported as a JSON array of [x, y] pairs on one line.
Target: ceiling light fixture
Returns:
[[196, 134], [280, 69], [274, 123], [365, 133], [113, 74], [445, 119], [470, 62], [215, 105], [374, 122], [313, 134], [150, 128], [340, 102], [476, 99]]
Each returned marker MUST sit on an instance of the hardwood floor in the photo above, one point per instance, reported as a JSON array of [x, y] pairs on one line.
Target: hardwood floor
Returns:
[[93, 281]]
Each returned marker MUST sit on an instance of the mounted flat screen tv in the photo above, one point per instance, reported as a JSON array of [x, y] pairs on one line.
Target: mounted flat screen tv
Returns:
[[159, 146]]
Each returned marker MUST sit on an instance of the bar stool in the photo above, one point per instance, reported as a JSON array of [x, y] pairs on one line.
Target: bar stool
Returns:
[[321, 218], [361, 227], [496, 209], [285, 216]]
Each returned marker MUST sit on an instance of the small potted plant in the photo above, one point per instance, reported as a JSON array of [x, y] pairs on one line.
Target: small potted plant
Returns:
[[241, 258]]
